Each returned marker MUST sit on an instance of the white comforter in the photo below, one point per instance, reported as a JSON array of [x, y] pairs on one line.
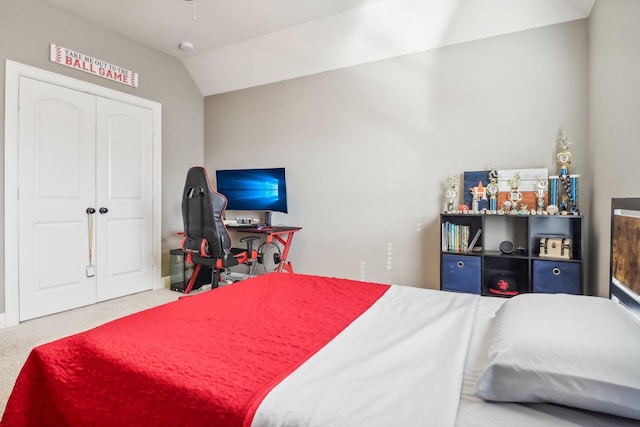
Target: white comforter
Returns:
[[412, 359], [406, 354]]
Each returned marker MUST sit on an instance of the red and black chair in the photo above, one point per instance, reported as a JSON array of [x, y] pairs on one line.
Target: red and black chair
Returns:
[[206, 240]]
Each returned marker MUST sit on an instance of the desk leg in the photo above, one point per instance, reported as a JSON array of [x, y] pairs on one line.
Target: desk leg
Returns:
[[288, 267], [286, 243]]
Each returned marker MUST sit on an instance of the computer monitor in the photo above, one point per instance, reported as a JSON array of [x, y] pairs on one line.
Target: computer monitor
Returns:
[[253, 189]]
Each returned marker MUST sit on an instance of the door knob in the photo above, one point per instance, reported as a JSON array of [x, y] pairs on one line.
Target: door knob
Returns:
[[91, 211], [103, 210]]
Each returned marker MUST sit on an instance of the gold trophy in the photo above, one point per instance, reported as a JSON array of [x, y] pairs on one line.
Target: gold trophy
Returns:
[[452, 193], [564, 156], [569, 182], [493, 189], [515, 196], [541, 190]]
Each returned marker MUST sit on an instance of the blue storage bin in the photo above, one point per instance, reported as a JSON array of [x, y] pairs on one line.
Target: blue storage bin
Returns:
[[461, 273], [554, 277]]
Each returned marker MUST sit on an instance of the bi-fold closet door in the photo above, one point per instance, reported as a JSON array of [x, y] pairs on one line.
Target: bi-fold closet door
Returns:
[[85, 198]]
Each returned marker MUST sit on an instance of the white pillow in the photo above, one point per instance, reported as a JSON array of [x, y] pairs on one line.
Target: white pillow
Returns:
[[571, 350]]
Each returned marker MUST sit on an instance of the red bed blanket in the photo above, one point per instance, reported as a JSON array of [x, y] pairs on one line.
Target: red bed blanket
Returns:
[[205, 360]]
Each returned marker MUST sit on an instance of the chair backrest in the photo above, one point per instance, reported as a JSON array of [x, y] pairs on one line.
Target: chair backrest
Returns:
[[202, 211]]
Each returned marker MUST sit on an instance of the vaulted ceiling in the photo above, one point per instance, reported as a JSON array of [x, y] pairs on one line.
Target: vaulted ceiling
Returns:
[[244, 43]]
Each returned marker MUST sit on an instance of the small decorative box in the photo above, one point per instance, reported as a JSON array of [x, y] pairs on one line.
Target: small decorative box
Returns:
[[556, 247]]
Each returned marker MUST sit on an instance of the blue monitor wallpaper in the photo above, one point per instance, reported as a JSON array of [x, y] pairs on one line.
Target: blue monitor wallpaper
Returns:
[[253, 189]]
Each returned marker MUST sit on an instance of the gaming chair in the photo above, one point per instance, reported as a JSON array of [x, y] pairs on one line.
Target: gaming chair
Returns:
[[206, 240]]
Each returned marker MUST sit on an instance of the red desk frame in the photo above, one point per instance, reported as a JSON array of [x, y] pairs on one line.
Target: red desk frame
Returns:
[[282, 234]]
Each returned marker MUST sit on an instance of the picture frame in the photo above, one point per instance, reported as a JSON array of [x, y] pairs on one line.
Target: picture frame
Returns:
[[475, 179]]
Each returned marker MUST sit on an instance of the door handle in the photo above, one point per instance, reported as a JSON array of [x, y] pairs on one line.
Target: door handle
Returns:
[[90, 211], [103, 210]]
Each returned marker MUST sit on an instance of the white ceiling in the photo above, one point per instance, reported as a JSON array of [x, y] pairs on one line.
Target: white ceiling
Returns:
[[245, 43]]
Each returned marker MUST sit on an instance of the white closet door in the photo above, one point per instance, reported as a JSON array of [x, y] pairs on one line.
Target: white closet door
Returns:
[[56, 185], [124, 199], [79, 151]]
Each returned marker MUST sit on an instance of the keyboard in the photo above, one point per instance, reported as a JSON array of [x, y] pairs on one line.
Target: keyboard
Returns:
[[236, 225], [262, 227]]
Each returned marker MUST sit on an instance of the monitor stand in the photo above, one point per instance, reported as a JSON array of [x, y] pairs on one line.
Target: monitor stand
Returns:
[[267, 218]]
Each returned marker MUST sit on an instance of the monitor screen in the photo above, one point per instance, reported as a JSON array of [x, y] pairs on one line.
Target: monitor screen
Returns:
[[253, 189], [625, 252]]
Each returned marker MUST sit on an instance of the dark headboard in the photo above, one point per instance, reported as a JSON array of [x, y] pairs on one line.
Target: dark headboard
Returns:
[[624, 283]]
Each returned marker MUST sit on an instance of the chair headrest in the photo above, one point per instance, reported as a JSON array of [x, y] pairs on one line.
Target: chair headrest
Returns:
[[197, 176]]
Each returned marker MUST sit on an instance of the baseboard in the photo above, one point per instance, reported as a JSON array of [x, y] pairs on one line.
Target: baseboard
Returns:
[[166, 283], [3, 324]]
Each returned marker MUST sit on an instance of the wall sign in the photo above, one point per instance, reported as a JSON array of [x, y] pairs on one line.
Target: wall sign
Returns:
[[88, 64]]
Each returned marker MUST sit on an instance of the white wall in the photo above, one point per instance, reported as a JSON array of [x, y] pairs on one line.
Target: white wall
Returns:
[[374, 31], [614, 125], [27, 27], [368, 149]]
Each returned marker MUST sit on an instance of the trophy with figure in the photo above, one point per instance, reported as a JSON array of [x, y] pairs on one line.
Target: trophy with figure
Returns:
[[515, 196], [452, 193], [569, 182], [541, 190], [493, 189]]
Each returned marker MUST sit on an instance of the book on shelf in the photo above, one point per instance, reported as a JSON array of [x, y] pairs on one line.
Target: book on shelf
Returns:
[[455, 237], [474, 241]]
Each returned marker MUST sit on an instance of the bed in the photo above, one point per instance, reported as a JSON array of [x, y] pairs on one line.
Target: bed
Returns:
[[299, 350]]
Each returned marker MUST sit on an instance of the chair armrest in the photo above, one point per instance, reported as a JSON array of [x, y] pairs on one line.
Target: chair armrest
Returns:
[[249, 240]]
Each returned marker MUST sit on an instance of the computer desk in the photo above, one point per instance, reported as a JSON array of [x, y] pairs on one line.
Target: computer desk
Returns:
[[281, 233]]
